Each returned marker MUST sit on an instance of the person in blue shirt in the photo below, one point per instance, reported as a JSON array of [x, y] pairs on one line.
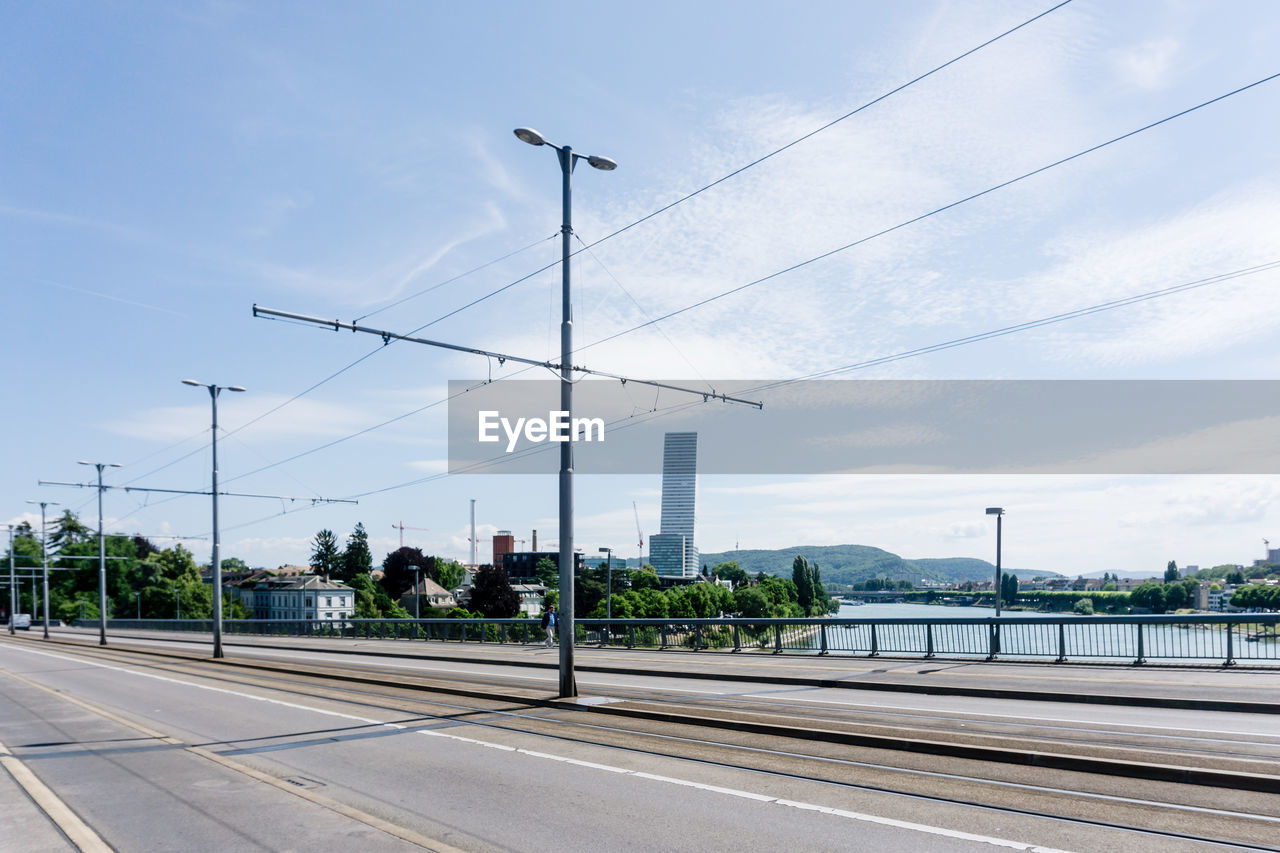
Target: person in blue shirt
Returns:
[[549, 625]]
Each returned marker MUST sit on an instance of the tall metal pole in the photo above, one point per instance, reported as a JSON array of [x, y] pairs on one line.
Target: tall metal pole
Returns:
[[999, 574], [568, 683], [44, 568], [13, 586], [608, 591], [102, 567], [216, 559], [44, 562]]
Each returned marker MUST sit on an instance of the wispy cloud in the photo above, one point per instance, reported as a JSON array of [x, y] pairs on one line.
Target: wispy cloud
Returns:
[[46, 282]]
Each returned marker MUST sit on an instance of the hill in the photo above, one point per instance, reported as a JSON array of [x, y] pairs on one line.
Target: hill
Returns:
[[852, 563]]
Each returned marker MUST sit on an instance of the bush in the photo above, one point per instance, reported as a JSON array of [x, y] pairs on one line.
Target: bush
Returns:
[[1083, 607]]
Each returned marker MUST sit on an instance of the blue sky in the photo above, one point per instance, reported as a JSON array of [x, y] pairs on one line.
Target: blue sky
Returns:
[[167, 166]]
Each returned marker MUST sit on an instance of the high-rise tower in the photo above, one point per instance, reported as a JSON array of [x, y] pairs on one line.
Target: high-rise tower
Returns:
[[672, 551]]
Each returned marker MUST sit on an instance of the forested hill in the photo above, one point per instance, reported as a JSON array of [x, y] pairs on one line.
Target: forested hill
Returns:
[[852, 563]]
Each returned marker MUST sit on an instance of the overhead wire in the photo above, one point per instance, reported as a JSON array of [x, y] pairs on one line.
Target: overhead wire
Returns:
[[643, 219], [934, 212]]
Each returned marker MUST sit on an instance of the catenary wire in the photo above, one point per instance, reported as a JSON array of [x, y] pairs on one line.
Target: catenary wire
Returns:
[[934, 212], [756, 162], [647, 217]]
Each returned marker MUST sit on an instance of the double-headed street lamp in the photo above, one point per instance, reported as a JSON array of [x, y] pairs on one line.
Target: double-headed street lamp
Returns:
[[102, 554], [216, 560], [568, 159], [44, 562]]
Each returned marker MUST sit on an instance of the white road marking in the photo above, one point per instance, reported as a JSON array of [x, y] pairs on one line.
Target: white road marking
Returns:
[[750, 795], [670, 780]]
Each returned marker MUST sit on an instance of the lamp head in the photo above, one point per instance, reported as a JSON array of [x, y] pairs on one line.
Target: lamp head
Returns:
[[191, 382], [604, 164], [995, 510], [234, 388], [606, 550], [529, 135]]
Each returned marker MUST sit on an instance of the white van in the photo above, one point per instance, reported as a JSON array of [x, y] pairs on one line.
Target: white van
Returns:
[[22, 621]]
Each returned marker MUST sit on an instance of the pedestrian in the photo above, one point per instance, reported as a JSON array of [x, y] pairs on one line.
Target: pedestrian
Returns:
[[549, 625]]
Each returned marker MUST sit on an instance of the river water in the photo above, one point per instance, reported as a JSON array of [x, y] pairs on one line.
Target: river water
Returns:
[[1082, 638]]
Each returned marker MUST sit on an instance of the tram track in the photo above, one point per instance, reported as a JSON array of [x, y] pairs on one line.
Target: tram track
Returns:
[[783, 755]]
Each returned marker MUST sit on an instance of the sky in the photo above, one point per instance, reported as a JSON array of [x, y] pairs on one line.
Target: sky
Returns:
[[166, 167]]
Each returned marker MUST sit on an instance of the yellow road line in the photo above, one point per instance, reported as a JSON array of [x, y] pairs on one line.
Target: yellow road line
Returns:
[[351, 812], [84, 838]]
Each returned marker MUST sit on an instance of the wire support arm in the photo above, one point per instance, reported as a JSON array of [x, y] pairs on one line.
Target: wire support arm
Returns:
[[388, 336], [205, 492]]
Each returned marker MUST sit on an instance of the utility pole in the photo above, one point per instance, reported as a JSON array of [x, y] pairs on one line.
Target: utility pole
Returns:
[[215, 562], [473, 533], [102, 554], [44, 562], [568, 159], [13, 586]]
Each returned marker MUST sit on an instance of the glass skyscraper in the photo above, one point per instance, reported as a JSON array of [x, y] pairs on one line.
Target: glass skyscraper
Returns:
[[672, 552]]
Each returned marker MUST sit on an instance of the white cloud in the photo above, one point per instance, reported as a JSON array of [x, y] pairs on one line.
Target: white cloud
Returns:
[[1149, 65]]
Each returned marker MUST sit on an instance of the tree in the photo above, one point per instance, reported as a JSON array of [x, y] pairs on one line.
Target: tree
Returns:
[[324, 552], [68, 530], [1236, 577], [1083, 607], [547, 573], [1171, 572], [356, 558], [398, 570], [802, 577], [733, 573], [448, 573], [1008, 588], [492, 595], [751, 602], [645, 578]]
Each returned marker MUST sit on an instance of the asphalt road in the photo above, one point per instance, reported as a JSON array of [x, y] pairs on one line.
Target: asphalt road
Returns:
[[280, 749]]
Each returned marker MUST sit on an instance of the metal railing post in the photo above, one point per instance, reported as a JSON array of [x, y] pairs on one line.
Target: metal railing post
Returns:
[[631, 637], [1142, 658], [928, 640], [777, 639], [993, 641], [737, 638], [823, 632], [697, 637], [875, 641], [1231, 629], [1062, 642]]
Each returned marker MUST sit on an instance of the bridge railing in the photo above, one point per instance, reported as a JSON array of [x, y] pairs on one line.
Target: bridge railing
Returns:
[[1245, 638]]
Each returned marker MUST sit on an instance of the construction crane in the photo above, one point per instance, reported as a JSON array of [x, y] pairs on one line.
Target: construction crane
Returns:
[[402, 528], [639, 537]]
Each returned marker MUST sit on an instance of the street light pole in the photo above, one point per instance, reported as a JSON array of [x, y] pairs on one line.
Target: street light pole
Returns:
[[568, 159], [44, 562], [998, 512], [608, 590], [417, 597], [102, 555], [13, 587], [215, 560]]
